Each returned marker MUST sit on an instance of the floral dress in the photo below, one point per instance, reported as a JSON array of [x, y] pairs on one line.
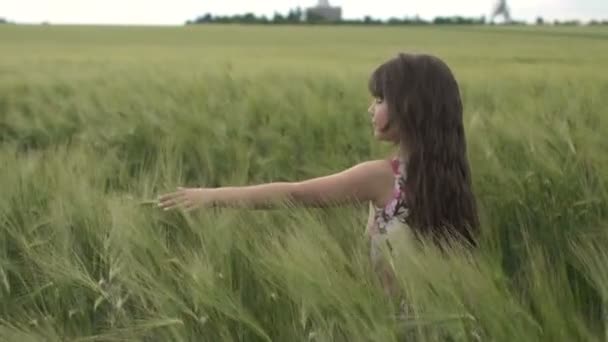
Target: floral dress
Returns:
[[383, 222]]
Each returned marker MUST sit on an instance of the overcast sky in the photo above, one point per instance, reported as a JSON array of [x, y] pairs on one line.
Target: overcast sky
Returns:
[[176, 12]]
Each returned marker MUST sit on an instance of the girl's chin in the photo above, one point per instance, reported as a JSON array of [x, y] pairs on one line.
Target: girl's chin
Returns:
[[382, 137]]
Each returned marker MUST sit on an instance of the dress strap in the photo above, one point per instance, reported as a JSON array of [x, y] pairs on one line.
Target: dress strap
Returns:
[[395, 166]]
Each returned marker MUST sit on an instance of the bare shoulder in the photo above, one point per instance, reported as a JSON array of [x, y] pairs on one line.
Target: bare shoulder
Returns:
[[379, 165], [377, 169], [381, 178]]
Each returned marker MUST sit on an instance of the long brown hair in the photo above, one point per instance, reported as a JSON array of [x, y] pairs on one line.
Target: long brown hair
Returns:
[[423, 100]]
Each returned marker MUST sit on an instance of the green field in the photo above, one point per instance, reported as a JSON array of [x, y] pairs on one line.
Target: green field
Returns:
[[95, 120]]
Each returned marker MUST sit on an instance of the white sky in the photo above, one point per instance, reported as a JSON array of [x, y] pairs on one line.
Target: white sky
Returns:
[[176, 12]]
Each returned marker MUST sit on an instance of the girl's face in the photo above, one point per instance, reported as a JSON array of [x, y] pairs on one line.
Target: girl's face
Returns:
[[379, 115]]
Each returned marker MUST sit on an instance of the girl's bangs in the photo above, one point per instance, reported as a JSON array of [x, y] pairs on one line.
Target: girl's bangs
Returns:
[[376, 81]]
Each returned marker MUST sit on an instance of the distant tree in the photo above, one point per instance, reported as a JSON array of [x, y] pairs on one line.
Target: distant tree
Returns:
[[516, 23], [394, 21], [567, 23], [405, 21], [295, 15], [313, 18], [207, 18], [540, 21], [249, 18], [3, 21], [278, 18], [458, 20]]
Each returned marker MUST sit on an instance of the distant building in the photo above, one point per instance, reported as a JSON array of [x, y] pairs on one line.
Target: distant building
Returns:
[[324, 12]]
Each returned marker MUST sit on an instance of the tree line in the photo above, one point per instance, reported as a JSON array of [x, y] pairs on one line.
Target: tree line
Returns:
[[297, 16]]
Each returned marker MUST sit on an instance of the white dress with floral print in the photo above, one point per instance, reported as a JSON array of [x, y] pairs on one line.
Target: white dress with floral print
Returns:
[[384, 222]]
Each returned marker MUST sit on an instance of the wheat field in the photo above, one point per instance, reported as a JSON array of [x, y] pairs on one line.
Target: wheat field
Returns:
[[94, 121]]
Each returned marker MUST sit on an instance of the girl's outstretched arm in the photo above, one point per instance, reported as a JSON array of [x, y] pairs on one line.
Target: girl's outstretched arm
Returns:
[[367, 181]]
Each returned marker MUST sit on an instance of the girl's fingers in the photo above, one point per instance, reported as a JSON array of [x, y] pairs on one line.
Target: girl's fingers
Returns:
[[177, 199], [167, 204], [167, 198], [190, 206], [180, 191], [172, 196], [173, 207], [183, 202]]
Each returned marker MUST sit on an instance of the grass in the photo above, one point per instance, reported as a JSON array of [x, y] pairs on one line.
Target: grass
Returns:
[[93, 121]]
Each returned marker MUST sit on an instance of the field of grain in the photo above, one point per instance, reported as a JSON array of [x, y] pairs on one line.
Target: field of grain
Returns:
[[95, 120]]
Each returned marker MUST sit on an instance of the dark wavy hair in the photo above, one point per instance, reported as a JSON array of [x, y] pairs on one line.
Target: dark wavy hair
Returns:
[[423, 100]]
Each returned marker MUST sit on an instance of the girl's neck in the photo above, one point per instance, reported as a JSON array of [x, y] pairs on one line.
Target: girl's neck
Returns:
[[403, 152]]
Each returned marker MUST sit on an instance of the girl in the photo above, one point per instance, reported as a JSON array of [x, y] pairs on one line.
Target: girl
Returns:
[[425, 188]]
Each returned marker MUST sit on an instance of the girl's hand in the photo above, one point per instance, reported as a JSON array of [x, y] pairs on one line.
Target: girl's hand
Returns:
[[185, 199]]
